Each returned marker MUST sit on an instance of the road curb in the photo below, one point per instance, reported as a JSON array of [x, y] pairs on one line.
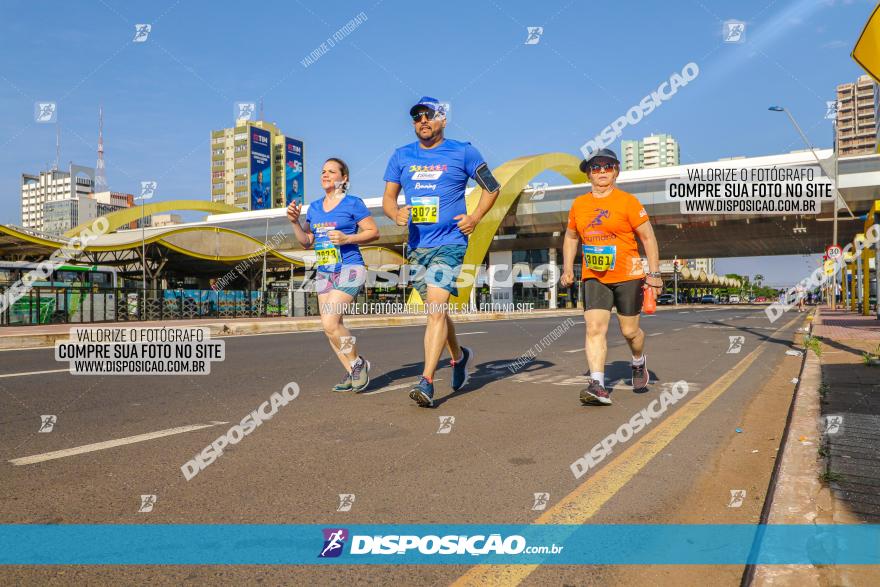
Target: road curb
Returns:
[[236, 328], [798, 496], [243, 327]]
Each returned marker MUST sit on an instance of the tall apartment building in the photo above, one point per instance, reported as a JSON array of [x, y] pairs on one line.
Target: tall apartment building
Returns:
[[255, 166], [651, 152], [51, 186], [857, 117]]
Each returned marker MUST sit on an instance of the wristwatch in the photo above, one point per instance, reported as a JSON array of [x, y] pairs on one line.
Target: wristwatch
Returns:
[[653, 274]]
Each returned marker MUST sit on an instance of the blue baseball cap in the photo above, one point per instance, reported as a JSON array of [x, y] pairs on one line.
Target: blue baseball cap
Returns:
[[427, 102]]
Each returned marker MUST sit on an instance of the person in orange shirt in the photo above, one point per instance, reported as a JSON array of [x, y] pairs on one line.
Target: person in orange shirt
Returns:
[[605, 222]]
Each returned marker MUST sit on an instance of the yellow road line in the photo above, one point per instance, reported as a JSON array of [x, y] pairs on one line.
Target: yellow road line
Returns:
[[583, 503]]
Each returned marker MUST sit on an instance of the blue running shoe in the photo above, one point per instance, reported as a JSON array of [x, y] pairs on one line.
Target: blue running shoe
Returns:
[[423, 393], [460, 373]]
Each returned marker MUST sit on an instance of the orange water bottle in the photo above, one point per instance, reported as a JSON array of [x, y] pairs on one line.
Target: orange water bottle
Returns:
[[649, 300]]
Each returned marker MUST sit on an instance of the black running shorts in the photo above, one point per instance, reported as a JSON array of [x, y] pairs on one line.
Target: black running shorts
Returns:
[[626, 296]]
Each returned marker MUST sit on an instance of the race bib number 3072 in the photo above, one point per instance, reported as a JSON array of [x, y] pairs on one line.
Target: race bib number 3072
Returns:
[[425, 209], [600, 258]]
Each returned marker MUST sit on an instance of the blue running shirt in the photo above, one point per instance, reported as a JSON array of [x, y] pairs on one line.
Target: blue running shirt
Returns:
[[344, 218], [433, 182]]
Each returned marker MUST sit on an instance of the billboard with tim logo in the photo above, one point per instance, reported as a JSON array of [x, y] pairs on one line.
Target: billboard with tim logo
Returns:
[[261, 169], [294, 186]]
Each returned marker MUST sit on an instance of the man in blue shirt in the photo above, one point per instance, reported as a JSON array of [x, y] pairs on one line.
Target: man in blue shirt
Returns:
[[433, 172]]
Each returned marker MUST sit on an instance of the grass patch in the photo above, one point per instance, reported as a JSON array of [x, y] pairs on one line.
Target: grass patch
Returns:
[[814, 344], [831, 477]]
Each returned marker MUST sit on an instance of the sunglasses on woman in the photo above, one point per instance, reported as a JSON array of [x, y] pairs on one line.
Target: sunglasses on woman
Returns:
[[602, 167]]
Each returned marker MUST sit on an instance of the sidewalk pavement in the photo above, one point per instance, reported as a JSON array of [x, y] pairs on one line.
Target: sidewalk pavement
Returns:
[[829, 471], [852, 444]]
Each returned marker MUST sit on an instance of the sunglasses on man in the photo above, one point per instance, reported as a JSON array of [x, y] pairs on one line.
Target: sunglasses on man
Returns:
[[427, 113]]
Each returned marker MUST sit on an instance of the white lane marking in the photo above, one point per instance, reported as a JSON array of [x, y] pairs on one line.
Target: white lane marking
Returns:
[[655, 333], [677, 329], [22, 374], [78, 450], [466, 333], [393, 388], [685, 312], [577, 350]]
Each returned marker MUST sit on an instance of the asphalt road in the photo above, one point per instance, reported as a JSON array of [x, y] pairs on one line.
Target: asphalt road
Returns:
[[513, 435]]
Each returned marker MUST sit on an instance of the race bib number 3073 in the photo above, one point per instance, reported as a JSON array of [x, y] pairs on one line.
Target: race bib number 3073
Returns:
[[600, 258], [425, 209]]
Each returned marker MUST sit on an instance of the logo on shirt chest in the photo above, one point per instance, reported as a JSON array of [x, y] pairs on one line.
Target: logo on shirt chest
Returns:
[[425, 186], [597, 221], [435, 175], [432, 172]]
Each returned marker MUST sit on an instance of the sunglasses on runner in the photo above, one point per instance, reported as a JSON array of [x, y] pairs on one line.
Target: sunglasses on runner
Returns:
[[427, 113], [602, 167]]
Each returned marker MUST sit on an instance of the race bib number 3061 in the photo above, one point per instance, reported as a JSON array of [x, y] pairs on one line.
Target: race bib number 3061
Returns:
[[600, 258], [425, 209]]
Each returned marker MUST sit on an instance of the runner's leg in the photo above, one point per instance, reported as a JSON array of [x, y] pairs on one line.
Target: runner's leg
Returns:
[[596, 338], [452, 340], [635, 336], [331, 305], [437, 331]]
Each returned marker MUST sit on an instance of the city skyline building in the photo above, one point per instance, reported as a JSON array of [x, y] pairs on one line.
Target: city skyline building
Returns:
[[656, 150], [255, 166]]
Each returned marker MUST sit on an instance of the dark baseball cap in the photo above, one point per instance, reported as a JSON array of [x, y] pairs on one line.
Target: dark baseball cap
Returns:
[[426, 102], [600, 154]]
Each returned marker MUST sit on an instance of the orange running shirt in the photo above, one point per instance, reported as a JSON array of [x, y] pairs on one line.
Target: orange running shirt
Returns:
[[608, 240]]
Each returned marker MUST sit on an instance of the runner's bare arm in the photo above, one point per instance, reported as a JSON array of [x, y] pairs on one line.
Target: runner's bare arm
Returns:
[[367, 233], [389, 204], [304, 235], [569, 252], [468, 222], [487, 200], [645, 233]]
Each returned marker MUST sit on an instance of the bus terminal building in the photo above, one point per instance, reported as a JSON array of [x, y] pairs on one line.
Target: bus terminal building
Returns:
[[236, 262]]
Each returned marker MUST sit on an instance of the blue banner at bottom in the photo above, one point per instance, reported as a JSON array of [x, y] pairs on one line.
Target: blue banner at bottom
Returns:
[[228, 544]]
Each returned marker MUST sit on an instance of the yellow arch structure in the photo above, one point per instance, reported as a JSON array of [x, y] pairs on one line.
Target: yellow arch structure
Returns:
[[129, 215], [512, 176]]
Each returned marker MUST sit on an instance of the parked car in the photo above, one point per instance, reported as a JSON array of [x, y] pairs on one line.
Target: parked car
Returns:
[[734, 299], [665, 299], [760, 299], [708, 299], [722, 299]]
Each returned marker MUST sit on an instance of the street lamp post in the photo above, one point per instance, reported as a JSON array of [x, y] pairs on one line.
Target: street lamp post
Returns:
[[675, 278], [144, 196], [837, 197]]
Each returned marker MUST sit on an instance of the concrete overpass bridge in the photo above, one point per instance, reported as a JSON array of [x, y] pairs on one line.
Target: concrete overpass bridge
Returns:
[[538, 217], [526, 218]]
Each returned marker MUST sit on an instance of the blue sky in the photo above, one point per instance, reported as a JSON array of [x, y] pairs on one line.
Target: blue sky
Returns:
[[162, 98]]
